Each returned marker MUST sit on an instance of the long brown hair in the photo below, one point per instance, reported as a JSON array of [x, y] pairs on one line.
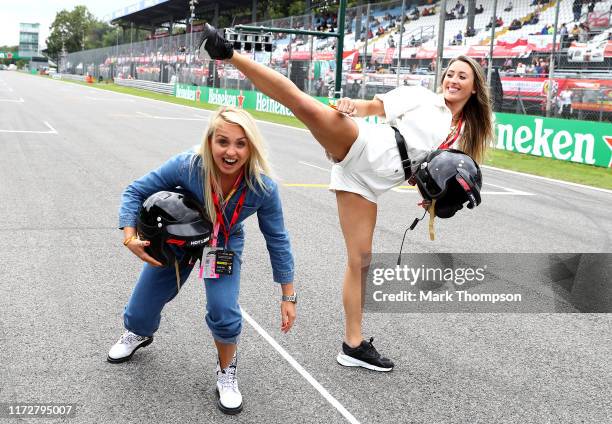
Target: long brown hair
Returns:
[[477, 113]]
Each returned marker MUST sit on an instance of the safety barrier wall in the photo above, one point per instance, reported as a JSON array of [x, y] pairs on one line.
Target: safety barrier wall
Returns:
[[70, 77], [158, 87]]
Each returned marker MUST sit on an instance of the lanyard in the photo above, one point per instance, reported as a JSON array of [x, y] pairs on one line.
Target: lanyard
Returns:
[[448, 142], [220, 224]]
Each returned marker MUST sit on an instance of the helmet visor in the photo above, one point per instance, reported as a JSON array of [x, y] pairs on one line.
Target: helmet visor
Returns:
[[191, 229]]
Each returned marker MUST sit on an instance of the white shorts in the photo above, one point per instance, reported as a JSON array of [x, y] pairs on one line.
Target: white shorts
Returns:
[[372, 165]]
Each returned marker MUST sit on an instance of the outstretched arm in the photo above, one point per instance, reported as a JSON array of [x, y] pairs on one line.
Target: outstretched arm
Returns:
[[361, 108]]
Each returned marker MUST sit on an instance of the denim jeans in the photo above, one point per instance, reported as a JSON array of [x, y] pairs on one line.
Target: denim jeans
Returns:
[[156, 287]]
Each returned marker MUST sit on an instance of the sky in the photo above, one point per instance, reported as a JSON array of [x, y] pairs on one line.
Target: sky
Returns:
[[12, 12]]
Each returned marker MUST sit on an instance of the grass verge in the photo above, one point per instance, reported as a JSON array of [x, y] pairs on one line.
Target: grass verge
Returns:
[[545, 167], [552, 168]]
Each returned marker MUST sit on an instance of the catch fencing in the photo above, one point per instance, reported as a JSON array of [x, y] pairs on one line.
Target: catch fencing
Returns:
[[549, 58]]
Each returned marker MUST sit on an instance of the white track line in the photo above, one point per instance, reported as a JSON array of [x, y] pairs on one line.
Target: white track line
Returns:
[[169, 118], [512, 190], [51, 130], [551, 180], [314, 383], [20, 100], [110, 99], [506, 192], [305, 130], [314, 166]]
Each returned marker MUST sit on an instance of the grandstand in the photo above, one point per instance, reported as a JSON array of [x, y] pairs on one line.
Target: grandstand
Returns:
[[522, 47]]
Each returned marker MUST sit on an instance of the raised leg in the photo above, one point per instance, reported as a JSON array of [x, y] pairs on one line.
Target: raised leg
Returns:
[[333, 130], [357, 220]]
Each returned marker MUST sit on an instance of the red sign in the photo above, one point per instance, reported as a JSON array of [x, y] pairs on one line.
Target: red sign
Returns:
[[587, 94]]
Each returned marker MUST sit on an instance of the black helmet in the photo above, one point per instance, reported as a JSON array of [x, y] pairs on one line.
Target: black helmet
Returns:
[[452, 178], [172, 221]]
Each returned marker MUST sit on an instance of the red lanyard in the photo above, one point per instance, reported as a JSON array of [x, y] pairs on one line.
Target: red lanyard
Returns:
[[447, 144], [220, 218]]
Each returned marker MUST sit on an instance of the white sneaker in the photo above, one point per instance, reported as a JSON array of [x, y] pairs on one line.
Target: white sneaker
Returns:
[[230, 399], [125, 347]]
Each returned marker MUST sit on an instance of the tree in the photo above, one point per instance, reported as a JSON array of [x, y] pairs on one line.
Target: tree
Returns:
[[77, 30]]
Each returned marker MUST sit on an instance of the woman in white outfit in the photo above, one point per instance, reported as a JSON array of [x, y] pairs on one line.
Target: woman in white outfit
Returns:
[[368, 158]]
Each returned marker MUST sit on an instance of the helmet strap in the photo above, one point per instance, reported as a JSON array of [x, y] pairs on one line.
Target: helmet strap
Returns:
[[178, 275], [468, 191], [432, 216], [412, 226]]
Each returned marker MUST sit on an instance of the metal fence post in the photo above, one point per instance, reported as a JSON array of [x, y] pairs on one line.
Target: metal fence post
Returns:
[[365, 53], [399, 52], [440, 52], [339, 48], [310, 67], [131, 51], [492, 43], [551, 66], [290, 42]]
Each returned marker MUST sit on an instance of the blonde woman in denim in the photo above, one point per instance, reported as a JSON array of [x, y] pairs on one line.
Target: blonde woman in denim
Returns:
[[231, 166]]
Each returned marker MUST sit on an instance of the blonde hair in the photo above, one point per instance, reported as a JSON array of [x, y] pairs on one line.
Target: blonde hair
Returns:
[[256, 165], [477, 113]]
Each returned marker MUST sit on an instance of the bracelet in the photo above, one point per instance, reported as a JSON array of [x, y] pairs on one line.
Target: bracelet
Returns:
[[129, 239], [291, 298]]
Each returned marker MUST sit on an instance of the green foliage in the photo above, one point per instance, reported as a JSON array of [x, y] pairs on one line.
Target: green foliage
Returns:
[[78, 29], [68, 29], [21, 63], [297, 8]]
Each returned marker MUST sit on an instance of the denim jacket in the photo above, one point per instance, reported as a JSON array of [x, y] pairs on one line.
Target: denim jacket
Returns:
[[185, 171]]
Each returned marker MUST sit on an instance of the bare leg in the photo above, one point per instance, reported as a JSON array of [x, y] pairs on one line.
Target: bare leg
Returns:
[[334, 131], [226, 352], [357, 219]]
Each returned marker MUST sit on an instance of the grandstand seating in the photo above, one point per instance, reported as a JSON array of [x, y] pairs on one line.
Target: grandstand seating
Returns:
[[414, 29]]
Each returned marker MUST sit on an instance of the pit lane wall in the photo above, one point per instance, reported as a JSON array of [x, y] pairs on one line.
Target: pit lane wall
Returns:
[[569, 140]]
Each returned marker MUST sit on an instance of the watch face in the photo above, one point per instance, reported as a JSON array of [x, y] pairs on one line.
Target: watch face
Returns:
[[292, 298]]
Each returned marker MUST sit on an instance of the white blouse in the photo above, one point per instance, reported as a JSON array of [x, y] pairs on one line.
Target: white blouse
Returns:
[[420, 115]]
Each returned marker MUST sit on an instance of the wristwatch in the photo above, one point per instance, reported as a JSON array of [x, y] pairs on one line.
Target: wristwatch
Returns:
[[292, 298]]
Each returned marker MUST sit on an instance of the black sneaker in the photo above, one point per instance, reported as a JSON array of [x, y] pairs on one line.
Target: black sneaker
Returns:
[[365, 355], [212, 45]]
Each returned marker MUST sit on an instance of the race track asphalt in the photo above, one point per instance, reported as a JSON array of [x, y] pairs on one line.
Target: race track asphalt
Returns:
[[66, 153]]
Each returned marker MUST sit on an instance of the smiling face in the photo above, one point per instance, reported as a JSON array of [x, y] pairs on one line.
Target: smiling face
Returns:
[[458, 84], [230, 149]]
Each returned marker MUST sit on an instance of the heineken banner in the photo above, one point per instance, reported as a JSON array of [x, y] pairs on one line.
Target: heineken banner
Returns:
[[8, 55], [244, 99], [576, 141]]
